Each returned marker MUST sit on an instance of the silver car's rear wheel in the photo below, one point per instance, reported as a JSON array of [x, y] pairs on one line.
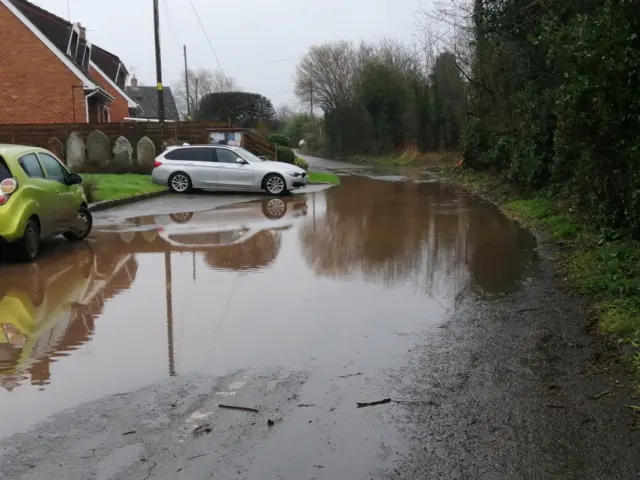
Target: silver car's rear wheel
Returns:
[[180, 182], [274, 184]]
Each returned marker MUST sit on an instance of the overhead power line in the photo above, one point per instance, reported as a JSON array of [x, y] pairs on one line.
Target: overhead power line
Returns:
[[208, 41]]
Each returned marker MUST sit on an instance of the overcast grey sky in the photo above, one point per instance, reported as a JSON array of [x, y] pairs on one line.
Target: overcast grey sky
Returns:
[[249, 36]]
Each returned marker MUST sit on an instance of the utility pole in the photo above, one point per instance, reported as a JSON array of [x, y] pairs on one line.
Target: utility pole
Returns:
[[156, 27], [196, 104], [186, 81]]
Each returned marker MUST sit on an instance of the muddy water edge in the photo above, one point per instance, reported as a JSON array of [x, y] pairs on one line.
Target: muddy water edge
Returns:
[[299, 308]]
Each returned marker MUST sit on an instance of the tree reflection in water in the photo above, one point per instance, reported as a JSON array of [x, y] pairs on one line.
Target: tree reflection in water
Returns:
[[430, 235]]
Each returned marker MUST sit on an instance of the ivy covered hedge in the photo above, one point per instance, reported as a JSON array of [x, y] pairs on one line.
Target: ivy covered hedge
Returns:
[[556, 101]]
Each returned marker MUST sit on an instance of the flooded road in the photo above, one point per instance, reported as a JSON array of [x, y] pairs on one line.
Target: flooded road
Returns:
[[299, 307]]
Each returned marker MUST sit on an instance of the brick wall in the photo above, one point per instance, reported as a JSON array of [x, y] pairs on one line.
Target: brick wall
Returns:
[[119, 107], [35, 86]]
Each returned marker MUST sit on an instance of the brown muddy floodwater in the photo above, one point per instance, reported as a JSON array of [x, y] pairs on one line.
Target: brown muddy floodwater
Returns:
[[319, 282]]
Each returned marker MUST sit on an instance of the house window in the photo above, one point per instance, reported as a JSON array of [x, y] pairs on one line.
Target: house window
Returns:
[[86, 58], [72, 49]]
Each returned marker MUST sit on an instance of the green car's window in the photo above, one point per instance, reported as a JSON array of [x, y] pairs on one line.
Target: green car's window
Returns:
[[4, 170], [55, 171], [31, 166]]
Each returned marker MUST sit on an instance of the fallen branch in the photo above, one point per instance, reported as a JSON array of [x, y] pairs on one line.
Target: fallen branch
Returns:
[[372, 404], [350, 375], [244, 409], [130, 432], [303, 405]]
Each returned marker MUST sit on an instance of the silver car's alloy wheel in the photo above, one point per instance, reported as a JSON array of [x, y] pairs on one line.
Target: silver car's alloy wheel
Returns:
[[179, 183], [276, 208], [275, 185]]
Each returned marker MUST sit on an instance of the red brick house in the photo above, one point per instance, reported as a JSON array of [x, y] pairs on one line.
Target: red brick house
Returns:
[[51, 73]]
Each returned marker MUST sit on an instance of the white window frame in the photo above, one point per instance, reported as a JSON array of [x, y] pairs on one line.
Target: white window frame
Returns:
[[89, 47], [75, 29]]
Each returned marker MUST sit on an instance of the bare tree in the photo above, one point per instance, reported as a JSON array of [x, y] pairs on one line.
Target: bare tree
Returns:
[[201, 82], [326, 75]]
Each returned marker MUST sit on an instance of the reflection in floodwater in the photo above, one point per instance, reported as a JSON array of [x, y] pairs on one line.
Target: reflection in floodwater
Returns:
[[49, 308], [165, 295], [430, 235]]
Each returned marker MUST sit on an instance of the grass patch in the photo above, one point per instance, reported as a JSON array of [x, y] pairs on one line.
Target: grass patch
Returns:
[[606, 270], [323, 177], [109, 186], [408, 158]]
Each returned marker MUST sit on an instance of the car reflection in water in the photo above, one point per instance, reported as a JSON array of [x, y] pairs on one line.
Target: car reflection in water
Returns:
[[240, 236], [49, 309]]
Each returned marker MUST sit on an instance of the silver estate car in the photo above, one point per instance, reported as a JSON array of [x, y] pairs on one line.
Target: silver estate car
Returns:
[[219, 167]]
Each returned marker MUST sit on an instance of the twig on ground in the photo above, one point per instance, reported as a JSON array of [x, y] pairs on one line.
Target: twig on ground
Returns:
[[350, 375], [425, 402], [130, 432], [371, 404], [149, 470], [303, 405], [201, 430], [600, 395], [551, 405], [244, 409], [198, 456]]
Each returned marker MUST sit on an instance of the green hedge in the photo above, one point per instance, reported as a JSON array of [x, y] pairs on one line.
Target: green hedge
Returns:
[[286, 155], [563, 114], [279, 139]]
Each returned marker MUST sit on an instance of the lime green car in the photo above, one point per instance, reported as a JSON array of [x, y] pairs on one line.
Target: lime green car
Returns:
[[39, 199]]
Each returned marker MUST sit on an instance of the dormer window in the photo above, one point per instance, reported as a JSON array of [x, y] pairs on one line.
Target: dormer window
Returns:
[[121, 75], [74, 40], [86, 57]]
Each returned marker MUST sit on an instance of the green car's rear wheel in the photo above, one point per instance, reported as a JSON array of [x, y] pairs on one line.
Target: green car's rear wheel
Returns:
[[28, 247]]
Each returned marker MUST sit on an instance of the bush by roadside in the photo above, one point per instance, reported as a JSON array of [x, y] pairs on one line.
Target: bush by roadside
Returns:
[[286, 154], [279, 139], [301, 162]]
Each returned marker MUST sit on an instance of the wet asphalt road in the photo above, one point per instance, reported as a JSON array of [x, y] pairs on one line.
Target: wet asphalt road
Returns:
[[301, 307]]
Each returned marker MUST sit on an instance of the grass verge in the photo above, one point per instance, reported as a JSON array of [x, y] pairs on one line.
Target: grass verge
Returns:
[[106, 186], [323, 177], [602, 265]]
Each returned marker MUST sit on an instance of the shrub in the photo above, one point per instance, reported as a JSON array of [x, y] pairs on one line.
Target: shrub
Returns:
[[90, 188], [301, 162], [279, 139], [286, 155]]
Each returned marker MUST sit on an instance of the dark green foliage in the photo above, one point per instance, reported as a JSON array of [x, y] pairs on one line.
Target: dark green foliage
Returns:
[[380, 100], [557, 101], [286, 155], [238, 108], [279, 139]]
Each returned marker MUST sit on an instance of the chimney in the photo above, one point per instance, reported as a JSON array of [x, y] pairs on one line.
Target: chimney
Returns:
[[83, 31], [134, 81]]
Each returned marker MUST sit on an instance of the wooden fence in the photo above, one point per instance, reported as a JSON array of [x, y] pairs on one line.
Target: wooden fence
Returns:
[[191, 132]]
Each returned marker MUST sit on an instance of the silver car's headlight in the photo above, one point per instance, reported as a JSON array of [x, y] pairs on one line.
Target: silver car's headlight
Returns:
[[293, 174]]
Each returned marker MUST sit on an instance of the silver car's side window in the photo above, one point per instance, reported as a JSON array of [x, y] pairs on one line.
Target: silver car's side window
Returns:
[[191, 154], [226, 156]]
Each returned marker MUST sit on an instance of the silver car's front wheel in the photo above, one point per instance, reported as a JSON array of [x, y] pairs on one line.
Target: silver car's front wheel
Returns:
[[275, 185], [180, 182]]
